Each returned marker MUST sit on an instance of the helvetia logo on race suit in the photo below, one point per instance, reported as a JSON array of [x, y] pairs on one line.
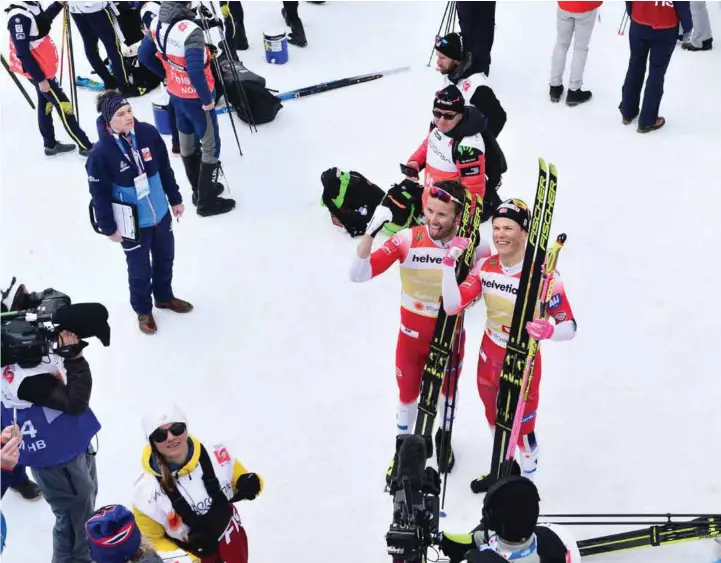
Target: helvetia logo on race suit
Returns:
[[505, 287], [427, 259]]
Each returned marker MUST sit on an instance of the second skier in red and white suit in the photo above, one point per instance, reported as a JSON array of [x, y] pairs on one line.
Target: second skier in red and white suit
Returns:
[[420, 252], [496, 279]]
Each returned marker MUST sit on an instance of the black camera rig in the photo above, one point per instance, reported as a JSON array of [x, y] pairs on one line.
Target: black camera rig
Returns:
[[416, 504], [31, 334]]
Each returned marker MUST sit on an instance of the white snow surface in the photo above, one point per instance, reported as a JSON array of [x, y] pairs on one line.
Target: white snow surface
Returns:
[[291, 365]]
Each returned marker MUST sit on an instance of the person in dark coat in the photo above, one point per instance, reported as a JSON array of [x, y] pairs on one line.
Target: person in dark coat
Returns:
[[130, 164], [478, 26], [652, 39]]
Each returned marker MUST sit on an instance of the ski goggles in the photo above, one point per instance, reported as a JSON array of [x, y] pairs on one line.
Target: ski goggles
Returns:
[[176, 429], [444, 196], [443, 115]]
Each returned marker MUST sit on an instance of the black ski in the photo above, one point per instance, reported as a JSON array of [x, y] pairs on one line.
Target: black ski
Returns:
[[518, 340]]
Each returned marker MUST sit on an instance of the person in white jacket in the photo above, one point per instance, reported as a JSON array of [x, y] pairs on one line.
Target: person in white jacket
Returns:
[[183, 502]]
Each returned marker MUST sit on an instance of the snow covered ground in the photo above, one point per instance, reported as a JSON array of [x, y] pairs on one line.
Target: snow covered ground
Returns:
[[291, 365]]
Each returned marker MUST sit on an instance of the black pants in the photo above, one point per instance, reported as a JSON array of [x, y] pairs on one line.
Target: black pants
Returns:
[[478, 25], [98, 26], [56, 98]]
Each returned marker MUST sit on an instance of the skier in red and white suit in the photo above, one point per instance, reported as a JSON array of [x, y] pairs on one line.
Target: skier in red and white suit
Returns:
[[454, 148], [496, 280], [420, 251]]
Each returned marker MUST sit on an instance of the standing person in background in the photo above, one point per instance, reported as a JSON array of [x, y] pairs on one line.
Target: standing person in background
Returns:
[[130, 164], [574, 20], [183, 501], [234, 19], [478, 27], [176, 50], [96, 21], [34, 55], [652, 39], [701, 38]]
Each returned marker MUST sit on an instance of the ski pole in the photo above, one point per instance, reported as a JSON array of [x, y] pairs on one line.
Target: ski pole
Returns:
[[545, 293], [71, 66], [62, 51], [216, 64], [17, 82], [624, 22], [438, 34]]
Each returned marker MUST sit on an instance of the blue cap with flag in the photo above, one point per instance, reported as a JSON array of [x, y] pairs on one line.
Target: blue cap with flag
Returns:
[[112, 535]]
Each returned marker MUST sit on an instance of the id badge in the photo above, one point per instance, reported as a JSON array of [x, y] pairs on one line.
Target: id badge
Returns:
[[142, 187]]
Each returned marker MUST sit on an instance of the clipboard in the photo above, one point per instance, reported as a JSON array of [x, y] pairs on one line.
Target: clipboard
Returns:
[[126, 219]]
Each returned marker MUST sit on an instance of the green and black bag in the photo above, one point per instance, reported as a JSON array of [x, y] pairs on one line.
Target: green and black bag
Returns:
[[350, 198], [405, 200]]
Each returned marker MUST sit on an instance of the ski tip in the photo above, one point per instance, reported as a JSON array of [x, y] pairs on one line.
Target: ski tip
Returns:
[[542, 164], [552, 168]]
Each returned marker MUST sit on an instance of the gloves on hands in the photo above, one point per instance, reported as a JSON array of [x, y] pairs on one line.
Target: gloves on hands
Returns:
[[381, 216], [457, 247], [247, 487], [540, 329]]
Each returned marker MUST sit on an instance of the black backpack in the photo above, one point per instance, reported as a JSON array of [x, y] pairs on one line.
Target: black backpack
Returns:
[[351, 199], [252, 101]]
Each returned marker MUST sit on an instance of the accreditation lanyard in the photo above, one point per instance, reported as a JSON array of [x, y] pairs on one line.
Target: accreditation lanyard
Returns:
[[142, 187]]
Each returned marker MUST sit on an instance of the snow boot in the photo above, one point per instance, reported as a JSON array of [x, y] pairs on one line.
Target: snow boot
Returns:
[[192, 172], [576, 97], [176, 305], [209, 203], [706, 45], [28, 490], [443, 444], [555, 93], [59, 148], [297, 32], [485, 482], [660, 122]]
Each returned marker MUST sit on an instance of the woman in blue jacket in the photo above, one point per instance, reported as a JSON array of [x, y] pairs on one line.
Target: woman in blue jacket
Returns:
[[130, 164]]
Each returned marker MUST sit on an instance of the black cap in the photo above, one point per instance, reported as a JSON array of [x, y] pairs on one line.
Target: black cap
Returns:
[[516, 210], [451, 46], [449, 99]]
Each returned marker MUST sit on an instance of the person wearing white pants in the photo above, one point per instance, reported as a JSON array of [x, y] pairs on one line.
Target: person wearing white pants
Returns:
[[574, 20], [701, 39]]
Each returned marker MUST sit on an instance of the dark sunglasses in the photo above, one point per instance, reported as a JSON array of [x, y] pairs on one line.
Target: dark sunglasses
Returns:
[[441, 115], [176, 429], [444, 196]]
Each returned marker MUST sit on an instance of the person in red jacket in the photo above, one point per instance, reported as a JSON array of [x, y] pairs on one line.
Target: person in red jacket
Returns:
[[652, 39], [454, 149], [574, 20]]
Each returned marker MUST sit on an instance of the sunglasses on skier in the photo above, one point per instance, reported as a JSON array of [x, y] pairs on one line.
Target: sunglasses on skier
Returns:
[[443, 195], [442, 115], [176, 429]]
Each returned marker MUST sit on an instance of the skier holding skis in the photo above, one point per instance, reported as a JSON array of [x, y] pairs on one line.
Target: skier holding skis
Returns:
[[420, 251], [496, 278]]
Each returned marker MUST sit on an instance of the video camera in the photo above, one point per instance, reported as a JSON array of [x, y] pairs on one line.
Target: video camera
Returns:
[[416, 504], [31, 334]]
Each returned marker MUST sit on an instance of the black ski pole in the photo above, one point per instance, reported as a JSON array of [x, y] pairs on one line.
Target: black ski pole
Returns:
[[438, 34], [216, 64], [17, 82], [71, 66], [451, 21], [453, 371], [236, 76]]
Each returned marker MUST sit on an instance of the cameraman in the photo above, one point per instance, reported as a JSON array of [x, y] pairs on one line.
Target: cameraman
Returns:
[[511, 509], [50, 402]]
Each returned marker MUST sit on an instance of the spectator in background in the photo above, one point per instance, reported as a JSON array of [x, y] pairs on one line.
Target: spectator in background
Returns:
[[574, 20], [652, 39], [130, 164], [114, 538], [478, 27], [701, 38]]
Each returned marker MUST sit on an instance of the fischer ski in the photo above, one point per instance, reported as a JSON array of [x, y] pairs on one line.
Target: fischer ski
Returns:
[[518, 339]]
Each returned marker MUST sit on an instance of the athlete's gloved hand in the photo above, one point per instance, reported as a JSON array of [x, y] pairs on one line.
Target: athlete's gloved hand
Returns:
[[381, 216], [455, 546], [540, 329], [457, 247], [247, 486]]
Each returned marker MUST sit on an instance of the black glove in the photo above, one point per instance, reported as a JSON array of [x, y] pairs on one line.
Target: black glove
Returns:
[[247, 487], [453, 549]]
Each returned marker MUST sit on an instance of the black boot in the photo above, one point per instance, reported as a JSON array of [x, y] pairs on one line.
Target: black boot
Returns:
[[29, 490], [192, 171], [59, 148], [485, 482], [297, 33], [208, 201], [575, 97], [555, 93], [241, 39], [443, 444]]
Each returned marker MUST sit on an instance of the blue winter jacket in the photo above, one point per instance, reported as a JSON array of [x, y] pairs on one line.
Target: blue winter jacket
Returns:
[[112, 177]]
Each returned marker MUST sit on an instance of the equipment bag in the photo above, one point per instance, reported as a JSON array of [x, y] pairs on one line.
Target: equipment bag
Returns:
[[351, 199], [405, 202], [252, 101]]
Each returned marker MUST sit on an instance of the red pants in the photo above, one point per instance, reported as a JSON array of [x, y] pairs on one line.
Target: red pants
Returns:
[[490, 365], [411, 356], [233, 546]]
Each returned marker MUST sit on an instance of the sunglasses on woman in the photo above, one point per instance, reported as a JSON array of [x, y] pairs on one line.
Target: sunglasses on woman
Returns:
[[441, 115], [176, 429], [443, 195]]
